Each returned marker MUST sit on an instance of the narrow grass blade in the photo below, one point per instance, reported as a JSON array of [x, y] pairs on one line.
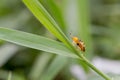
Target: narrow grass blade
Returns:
[[45, 18], [84, 26], [54, 68], [10, 76], [6, 52], [55, 12], [35, 42], [40, 65]]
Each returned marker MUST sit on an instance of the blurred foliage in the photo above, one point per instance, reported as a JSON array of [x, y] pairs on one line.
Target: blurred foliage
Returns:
[[23, 62]]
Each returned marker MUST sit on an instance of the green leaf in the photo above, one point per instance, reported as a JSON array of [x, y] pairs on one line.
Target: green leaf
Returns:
[[35, 42], [9, 50], [40, 65], [45, 18], [55, 12], [84, 26], [56, 65], [9, 76]]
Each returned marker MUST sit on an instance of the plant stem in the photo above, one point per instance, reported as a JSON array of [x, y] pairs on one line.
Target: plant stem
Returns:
[[87, 62], [94, 68]]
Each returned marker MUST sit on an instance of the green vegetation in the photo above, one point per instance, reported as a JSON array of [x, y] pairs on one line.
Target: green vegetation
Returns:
[[30, 58]]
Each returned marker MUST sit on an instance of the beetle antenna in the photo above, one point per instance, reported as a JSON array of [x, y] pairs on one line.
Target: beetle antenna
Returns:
[[71, 35]]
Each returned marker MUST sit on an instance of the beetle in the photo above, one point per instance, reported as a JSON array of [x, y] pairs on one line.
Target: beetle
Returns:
[[79, 43]]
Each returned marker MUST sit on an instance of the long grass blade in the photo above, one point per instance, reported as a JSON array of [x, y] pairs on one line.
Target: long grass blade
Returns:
[[35, 42], [45, 18], [10, 76], [57, 64]]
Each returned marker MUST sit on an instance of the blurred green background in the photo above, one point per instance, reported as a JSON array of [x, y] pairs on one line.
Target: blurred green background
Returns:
[[102, 18]]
